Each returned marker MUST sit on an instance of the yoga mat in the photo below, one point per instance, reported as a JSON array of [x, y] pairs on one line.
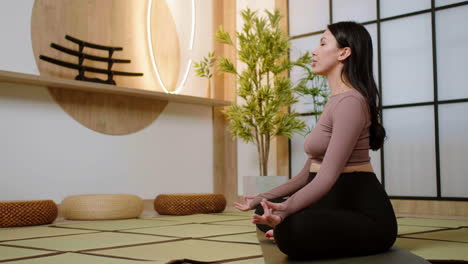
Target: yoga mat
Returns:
[[244, 238], [117, 224], [194, 230], [74, 258], [187, 249], [35, 231], [199, 218], [435, 250], [246, 222], [395, 255], [432, 222], [456, 235], [12, 252], [87, 241], [404, 229]]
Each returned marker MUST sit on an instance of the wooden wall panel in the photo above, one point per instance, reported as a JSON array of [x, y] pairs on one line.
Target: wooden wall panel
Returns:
[[431, 208]]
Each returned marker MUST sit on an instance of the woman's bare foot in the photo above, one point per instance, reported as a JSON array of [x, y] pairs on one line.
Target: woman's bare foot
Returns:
[[269, 235]]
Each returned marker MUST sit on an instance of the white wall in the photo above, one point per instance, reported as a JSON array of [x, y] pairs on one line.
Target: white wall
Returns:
[[16, 51], [45, 154]]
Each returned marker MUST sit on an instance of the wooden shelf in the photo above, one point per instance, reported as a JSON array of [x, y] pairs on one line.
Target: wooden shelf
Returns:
[[36, 80]]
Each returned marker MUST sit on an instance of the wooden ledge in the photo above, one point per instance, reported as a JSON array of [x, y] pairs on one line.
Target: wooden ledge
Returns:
[[36, 80]]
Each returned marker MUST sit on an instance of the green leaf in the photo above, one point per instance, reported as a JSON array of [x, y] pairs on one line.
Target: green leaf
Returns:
[[227, 66], [222, 36]]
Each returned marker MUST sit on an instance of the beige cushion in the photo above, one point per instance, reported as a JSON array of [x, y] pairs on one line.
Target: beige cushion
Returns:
[[101, 206]]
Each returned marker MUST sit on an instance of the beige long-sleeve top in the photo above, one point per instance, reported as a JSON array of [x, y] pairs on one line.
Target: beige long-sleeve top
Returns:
[[340, 138]]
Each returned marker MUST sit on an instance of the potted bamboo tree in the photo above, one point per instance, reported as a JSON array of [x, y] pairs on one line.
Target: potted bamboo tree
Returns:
[[263, 86]]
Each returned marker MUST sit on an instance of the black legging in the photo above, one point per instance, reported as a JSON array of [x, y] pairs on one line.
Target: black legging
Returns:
[[354, 218]]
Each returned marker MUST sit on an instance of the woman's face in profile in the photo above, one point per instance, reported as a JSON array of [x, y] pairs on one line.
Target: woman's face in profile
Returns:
[[325, 56]]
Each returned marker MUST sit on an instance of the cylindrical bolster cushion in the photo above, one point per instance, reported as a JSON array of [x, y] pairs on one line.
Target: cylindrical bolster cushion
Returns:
[[186, 204], [27, 213], [101, 206]]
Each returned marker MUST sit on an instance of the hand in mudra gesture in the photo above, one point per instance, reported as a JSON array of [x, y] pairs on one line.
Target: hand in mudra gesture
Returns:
[[245, 206], [268, 218]]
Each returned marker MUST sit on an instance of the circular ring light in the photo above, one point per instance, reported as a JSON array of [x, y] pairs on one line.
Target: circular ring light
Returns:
[[153, 61]]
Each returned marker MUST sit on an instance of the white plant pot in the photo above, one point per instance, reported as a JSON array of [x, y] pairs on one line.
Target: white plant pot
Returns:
[[260, 184]]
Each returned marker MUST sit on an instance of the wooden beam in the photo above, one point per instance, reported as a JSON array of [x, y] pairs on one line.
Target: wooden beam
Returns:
[[224, 146], [282, 143]]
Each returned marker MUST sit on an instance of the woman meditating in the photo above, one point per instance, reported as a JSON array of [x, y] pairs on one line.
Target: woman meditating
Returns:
[[336, 205]]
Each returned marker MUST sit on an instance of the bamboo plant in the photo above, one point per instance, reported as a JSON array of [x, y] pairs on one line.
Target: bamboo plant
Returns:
[[262, 84]]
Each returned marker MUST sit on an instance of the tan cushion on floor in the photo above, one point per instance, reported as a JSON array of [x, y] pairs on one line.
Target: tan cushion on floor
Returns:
[[26, 213], [189, 203], [101, 206]]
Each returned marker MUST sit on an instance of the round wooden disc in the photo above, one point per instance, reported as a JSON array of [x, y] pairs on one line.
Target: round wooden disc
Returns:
[[109, 113], [120, 23]]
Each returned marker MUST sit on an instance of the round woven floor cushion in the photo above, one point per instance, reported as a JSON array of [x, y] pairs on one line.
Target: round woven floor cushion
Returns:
[[101, 206], [186, 204], [27, 213]]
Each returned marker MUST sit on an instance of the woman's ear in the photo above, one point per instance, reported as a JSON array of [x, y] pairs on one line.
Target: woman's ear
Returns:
[[345, 53]]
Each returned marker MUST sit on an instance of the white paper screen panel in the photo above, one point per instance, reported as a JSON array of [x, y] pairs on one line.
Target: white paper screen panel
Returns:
[[446, 2], [306, 16], [376, 163], [357, 10], [407, 60], [452, 42], [453, 123], [298, 47], [410, 151], [389, 8]]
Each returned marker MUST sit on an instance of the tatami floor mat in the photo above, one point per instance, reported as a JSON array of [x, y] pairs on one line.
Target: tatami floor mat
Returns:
[[87, 241], [238, 213], [456, 235], [117, 224], [190, 249], [246, 222], [7, 253], [200, 218], [430, 249], [404, 229], [249, 261], [194, 230], [244, 238], [432, 222], [74, 258], [35, 231], [226, 236], [272, 255]]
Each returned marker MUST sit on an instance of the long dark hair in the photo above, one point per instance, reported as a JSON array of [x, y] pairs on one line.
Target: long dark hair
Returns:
[[358, 71]]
